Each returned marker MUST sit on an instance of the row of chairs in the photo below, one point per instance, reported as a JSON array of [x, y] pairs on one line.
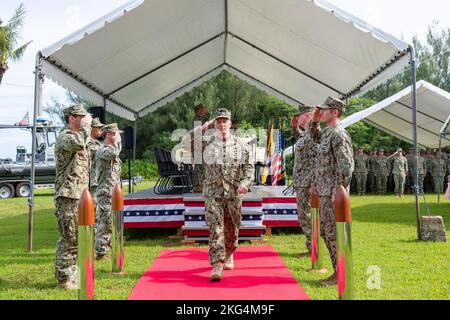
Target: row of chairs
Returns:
[[174, 178]]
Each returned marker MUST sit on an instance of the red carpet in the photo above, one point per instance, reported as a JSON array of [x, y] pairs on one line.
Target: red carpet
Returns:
[[259, 274]]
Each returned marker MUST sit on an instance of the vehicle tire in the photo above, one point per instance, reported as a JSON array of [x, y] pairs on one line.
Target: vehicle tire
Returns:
[[6, 191], [23, 190]]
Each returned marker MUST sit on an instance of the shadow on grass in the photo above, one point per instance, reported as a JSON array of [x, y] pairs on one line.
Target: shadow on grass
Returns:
[[28, 258], [26, 283], [409, 241], [398, 213]]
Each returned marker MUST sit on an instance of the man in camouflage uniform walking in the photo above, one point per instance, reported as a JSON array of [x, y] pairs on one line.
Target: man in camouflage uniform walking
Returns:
[[399, 170], [93, 145], [305, 155], [382, 170], [361, 170], [334, 167], [229, 172], [72, 178], [109, 169]]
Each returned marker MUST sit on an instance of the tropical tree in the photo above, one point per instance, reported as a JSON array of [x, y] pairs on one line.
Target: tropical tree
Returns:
[[9, 39]]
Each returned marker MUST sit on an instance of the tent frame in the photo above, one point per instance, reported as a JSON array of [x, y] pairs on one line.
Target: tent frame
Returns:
[[226, 33]]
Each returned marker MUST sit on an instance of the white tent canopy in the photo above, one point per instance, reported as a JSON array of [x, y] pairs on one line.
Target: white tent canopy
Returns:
[[393, 115], [146, 53]]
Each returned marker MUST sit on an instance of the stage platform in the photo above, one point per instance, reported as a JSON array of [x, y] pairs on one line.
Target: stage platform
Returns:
[[262, 208]]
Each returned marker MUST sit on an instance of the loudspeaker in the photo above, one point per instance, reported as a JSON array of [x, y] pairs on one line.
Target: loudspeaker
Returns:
[[128, 138], [98, 112]]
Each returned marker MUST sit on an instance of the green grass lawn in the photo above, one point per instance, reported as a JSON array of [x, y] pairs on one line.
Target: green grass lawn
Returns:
[[384, 235]]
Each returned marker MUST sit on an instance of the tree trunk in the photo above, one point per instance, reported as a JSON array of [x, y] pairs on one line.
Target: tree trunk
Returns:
[[2, 72]]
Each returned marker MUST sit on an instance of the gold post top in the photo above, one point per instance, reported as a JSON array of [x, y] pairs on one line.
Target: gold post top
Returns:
[[314, 200], [86, 209], [342, 209], [117, 198]]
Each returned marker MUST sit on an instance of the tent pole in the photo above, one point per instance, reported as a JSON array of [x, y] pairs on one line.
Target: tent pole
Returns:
[[134, 147], [414, 133], [440, 171], [37, 110]]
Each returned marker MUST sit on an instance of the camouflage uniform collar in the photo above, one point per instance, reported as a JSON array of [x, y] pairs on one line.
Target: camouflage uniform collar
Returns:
[[337, 126], [67, 129], [218, 140]]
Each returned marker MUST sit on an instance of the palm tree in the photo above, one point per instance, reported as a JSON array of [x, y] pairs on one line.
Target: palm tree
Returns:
[[9, 37]]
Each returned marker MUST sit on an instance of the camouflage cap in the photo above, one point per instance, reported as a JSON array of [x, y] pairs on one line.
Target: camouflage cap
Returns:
[[380, 150], [111, 128], [222, 113], [334, 103], [399, 150], [96, 123], [75, 110], [303, 109]]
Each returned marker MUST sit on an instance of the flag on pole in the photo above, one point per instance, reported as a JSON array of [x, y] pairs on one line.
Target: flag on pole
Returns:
[[277, 160], [269, 154], [25, 120]]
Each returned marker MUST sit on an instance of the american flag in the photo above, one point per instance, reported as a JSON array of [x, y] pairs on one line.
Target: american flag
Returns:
[[277, 159], [25, 120]]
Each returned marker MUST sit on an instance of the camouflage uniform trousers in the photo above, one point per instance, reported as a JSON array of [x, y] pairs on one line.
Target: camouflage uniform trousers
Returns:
[[103, 224], [381, 183], [399, 180], [198, 177], [223, 217], [429, 182], [328, 227], [420, 182], [67, 244], [409, 182], [353, 186], [371, 182], [93, 191], [304, 214], [438, 184], [361, 180], [390, 182]]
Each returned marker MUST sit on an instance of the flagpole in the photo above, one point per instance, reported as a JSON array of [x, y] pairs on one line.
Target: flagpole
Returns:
[[38, 79]]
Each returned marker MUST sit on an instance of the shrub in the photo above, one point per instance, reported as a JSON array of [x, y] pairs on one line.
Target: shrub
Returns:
[[144, 168]]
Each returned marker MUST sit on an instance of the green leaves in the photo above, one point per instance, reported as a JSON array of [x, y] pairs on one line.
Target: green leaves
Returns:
[[9, 39]]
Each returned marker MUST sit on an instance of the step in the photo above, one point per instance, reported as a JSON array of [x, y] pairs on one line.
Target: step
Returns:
[[262, 227], [246, 238], [249, 197], [196, 212]]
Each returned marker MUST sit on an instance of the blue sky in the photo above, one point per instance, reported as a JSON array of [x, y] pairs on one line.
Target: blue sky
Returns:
[[47, 21]]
